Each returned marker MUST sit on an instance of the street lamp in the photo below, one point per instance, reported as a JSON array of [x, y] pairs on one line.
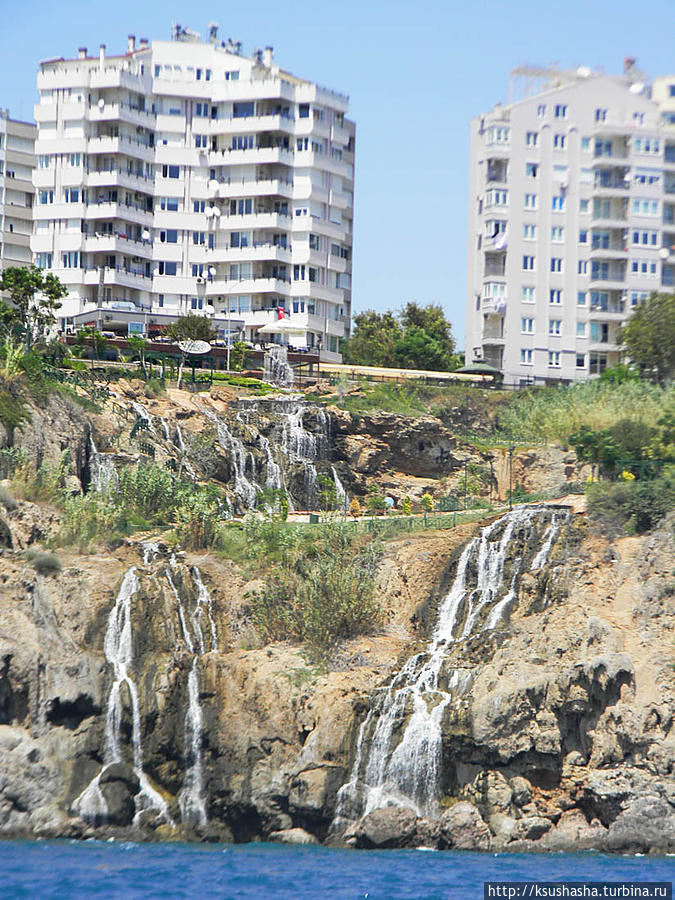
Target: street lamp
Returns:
[[319, 343]]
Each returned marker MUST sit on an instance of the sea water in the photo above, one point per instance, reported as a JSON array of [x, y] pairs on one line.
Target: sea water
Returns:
[[95, 870]]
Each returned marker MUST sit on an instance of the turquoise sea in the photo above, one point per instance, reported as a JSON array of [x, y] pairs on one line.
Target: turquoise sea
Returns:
[[94, 870]]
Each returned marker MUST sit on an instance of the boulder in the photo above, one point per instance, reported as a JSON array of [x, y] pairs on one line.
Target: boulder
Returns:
[[573, 833], [119, 785], [293, 836], [386, 828], [463, 828], [647, 825]]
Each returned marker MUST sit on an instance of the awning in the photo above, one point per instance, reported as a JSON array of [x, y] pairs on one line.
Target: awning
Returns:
[[282, 326]]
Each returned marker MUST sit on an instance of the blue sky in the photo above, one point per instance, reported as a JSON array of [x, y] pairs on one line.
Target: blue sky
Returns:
[[416, 73]]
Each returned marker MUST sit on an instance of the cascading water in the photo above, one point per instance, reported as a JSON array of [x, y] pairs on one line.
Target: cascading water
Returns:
[[118, 649], [399, 751], [245, 490], [276, 368], [340, 492], [103, 476]]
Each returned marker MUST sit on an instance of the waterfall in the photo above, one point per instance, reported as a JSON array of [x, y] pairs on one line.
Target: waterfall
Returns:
[[276, 368], [118, 649], [245, 491], [145, 416], [191, 797], [399, 752], [340, 492], [103, 476]]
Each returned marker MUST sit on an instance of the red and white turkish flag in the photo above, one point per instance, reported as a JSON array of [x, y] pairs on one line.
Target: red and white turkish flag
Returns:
[[281, 312]]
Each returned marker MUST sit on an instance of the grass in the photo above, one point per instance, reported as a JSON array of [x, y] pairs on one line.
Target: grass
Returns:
[[44, 563]]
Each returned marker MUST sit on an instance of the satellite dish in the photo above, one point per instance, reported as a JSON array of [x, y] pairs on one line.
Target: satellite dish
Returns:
[[212, 271], [101, 103], [194, 348], [146, 234], [216, 212], [209, 210], [637, 87], [213, 185], [584, 72], [664, 253], [210, 310]]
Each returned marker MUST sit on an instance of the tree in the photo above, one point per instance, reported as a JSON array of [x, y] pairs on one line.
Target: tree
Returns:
[[13, 414], [373, 340], [406, 506], [649, 338], [92, 337], [34, 297], [327, 494], [427, 504], [140, 347], [190, 328], [355, 508]]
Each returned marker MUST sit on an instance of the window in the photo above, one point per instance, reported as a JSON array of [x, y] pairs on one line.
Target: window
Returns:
[[557, 234], [160, 299], [496, 198], [647, 176], [582, 267], [585, 143], [581, 298], [527, 294], [646, 238], [497, 134], [643, 267], [198, 237], [242, 142], [581, 361], [647, 145], [525, 357], [583, 237], [581, 329], [529, 232], [583, 206], [528, 263], [554, 359], [638, 118], [637, 297], [531, 138], [170, 236], [303, 111], [208, 74], [558, 204], [169, 203], [74, 160], [201, 141], [45, 197], [541, 110], [556, 264], [530, 201], [72, 195], [44, 161], [560, 111], [243, 109], [167, 268], [240, 238], [170, 171], [527, 325], [43, 260], [70, 260], [600, 115], [645, 207], [531, 170], [198, 206], [603, 148], [555, 296], [231, 76], [559, 141], [599, 270], [202, 109], [554, 326], [241, 207]]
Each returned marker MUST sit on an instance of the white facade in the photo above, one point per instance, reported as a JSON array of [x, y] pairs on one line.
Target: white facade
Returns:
[[571, 221], [17, 161], [183, 176]]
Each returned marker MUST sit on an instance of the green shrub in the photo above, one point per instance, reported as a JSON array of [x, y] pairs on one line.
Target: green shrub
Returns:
[[197, 520], [155, 387], [204, 451], [44, 563], [631, 506], [7, 500]]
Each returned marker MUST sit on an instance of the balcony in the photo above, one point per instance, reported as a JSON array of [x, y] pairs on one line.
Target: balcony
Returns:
[[131, 276], [105, 208], [117, 242]]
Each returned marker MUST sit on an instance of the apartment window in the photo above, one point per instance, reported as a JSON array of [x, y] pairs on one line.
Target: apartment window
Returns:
[[643, 267], [167, 268], [170, 171], [556, 264], [636, 297], [531, 138], [527, 294], [559, 141], [201, 141], [528, 263], [208, 74], [231, 76], [198, 206], [581, 329], [555, 296], [240, 238], [497, 134], [243, 109], [557, 234], [72, 195], [525, 356], [44, 161], [647, 176], [600, 115], [554, 326], [581, 298], [581, 360], [527, 325], [169, 236], [45, 197], [560, 111], [43, 260], [642, 207], [599, 270], [531, 170], [558, 204], [554, 359], [541, 110], [242, 142], [496, 198], [638, 118], [583, 206], [583, 237], [647, 145], [198, 237], [585, 143], [529, 232], [646, 238], [160, 299], [241, 207], [202, 109], [530, 201], [603, 148], [70, 260]]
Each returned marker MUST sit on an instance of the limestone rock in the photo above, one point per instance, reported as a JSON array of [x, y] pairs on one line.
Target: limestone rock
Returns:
[[647, 825], [293, 836], [386, 828], [573, 833], [463, 828], [119, 785]]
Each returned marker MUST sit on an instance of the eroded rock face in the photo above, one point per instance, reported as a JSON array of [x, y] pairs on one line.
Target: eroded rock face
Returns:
[[462, 828], [387, 828]]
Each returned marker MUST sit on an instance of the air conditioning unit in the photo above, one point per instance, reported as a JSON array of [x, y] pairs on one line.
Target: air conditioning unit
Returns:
[[201, 279], [477, 352]]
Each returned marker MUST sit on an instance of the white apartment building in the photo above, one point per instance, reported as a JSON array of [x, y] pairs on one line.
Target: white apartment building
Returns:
[[17, 161], [571, 220], [183, 176]]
